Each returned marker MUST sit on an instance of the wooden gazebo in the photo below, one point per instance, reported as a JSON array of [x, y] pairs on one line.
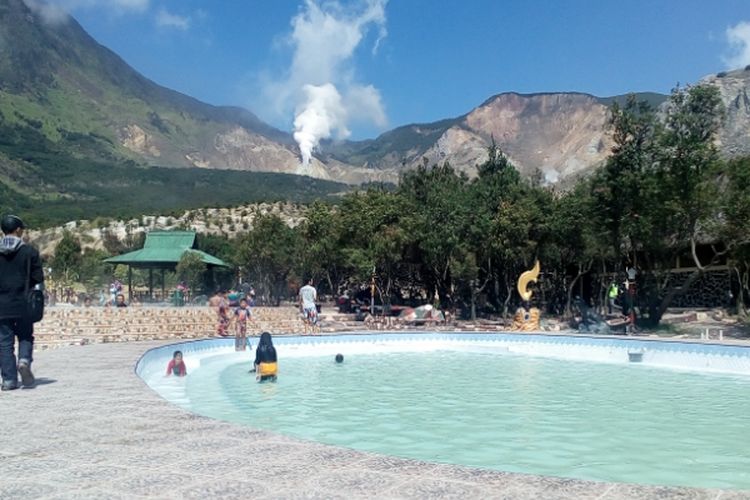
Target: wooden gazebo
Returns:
[[162, 251]]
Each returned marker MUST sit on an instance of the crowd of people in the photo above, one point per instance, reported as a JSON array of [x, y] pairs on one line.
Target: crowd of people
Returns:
[[234, 313]]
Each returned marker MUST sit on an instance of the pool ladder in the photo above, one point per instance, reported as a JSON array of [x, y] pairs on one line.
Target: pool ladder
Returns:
[[636, 355], [706, 335]]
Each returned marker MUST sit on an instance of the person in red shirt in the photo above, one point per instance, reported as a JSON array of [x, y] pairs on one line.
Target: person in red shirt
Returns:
[[176, 365]]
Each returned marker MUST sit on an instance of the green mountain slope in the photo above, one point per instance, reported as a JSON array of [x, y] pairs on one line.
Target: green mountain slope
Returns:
[[654, 99], [50, 186], [392, 147], [66, 107]]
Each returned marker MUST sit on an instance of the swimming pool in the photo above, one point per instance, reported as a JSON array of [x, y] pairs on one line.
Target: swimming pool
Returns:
[[668, 413]]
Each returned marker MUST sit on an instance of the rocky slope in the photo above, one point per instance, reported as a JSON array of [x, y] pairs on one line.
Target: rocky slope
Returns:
[[228, 222], [560, 134], [734, 86]]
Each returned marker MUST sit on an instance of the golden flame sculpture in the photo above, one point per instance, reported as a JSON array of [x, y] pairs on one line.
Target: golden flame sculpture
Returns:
[[524, 280], [527, 320]]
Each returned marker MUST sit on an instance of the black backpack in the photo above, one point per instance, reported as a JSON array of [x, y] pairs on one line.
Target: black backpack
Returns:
[[34, 298]]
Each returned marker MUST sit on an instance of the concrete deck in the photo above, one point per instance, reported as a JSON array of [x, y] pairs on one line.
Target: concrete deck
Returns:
[[92, 429]]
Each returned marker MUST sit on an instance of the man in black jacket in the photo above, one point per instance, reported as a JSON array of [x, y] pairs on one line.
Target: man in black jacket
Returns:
[[20, 271]]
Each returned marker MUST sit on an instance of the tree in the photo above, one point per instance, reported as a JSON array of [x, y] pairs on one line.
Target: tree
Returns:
[[686, 180], [93, 271], [222, 248], [497, 184], [190, 269], [66, 263], [322, 251], [509, 225], [578, 241], [623, 189], [437, 203], [735, 230], [271, 252], [374, 236]]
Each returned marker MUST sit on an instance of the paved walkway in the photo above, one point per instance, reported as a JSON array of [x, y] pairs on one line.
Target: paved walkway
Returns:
[[93, 429]]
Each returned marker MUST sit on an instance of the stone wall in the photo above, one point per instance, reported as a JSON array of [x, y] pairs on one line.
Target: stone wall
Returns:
[[77, 325], [708, 291], [67, 325]]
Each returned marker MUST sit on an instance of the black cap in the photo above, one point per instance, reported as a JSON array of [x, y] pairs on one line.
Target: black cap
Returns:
[[10, 223]]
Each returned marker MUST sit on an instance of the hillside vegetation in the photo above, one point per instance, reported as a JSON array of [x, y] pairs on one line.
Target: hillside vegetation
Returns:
[[52, 183]]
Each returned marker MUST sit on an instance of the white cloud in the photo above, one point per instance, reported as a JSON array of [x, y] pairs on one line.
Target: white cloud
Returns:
[[137, 5], [169, 20], [56, 11], [738, 37], [320, 85]]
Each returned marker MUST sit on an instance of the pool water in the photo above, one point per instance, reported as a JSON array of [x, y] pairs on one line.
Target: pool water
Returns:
[[610, 422]]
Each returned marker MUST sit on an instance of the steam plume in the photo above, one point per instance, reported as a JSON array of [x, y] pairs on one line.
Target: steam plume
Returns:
[[321, 114], [320, 87]]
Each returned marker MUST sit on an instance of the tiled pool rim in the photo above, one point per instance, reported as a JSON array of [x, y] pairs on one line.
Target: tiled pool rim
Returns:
[[681, 355], [686, 355], [92, 429]]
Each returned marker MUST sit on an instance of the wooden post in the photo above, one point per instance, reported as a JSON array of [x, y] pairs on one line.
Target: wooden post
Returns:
[[130, 283], [151, 283], [162, 285]]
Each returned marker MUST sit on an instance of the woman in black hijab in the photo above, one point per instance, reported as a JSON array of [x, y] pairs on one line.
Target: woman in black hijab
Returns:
[[266, 367]]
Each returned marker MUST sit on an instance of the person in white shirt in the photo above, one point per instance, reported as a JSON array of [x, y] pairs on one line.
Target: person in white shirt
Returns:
[[308, 295]]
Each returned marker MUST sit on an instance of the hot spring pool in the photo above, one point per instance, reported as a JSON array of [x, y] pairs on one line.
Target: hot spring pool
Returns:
[[500, 403]]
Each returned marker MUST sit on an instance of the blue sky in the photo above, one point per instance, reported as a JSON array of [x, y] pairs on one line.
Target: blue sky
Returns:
[[417, 60]]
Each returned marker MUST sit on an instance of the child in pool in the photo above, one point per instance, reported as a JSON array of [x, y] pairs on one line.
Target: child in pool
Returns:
[[266, 367], [176, 365]]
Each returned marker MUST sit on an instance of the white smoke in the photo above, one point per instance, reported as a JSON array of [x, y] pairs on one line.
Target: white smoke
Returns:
[[320, 86], [738, 37], [321, 114], [551, 176]]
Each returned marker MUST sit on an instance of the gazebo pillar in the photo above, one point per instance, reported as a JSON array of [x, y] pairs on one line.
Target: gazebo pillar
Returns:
[[163, 297], [151, 283], [130, 283]]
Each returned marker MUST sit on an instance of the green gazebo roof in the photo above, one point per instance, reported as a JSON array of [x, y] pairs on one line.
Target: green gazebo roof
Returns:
[[165, 249]]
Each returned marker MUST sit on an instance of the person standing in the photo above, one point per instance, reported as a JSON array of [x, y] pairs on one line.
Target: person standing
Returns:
[[612, 294], [20, 271], [308, 295], [242, 315], [222, 311]]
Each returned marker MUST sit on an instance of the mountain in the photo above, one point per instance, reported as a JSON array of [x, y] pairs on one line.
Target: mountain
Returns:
[[561, 134], [64, 95], [57, 79], [81, 131]]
